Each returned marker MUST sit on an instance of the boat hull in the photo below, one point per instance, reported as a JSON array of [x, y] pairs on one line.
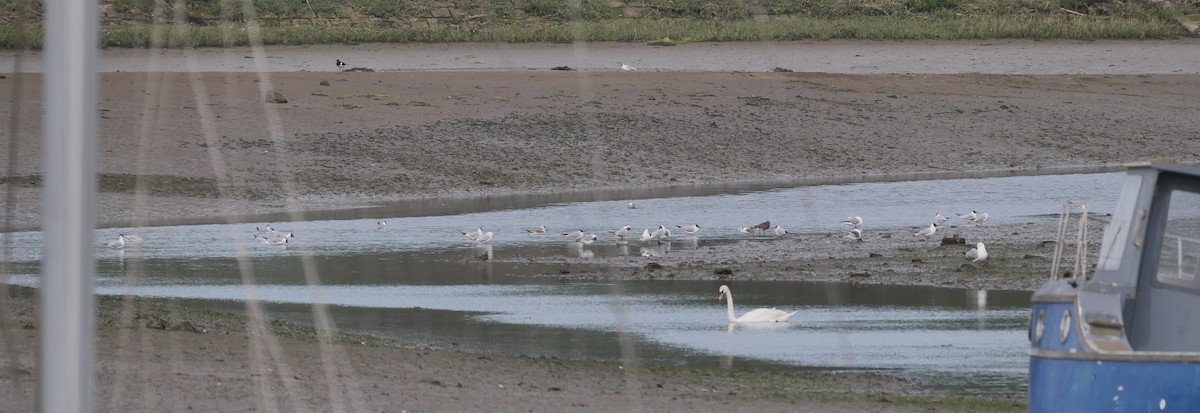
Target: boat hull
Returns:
[[1067, 376]]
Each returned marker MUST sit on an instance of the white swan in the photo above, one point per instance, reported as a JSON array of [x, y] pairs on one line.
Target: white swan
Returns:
[[758, 315]]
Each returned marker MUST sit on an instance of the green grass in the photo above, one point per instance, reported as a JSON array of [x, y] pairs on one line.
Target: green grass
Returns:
[[948, 28], [594, 21]]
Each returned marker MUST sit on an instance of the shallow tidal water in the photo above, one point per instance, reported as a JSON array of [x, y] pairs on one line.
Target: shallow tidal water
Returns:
[[421, 281]]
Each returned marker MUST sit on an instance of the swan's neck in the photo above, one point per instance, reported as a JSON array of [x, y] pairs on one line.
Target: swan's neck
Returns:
[[729, 307]]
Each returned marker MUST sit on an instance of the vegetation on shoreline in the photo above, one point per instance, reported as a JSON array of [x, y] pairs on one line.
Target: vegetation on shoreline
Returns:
[[213, 23]]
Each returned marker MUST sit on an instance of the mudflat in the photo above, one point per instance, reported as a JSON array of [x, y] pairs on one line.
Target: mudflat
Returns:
[[178, 146]]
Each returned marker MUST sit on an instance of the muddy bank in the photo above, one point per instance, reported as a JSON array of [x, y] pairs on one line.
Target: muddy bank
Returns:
[[159, 357], [346, 140], [1020, 257]]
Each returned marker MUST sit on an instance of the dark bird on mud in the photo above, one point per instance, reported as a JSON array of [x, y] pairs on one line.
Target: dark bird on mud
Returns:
[[766, 225], [340, 64]]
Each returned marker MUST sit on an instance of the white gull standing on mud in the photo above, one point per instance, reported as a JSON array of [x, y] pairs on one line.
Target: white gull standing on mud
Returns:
[[977, 254], [927, 232]]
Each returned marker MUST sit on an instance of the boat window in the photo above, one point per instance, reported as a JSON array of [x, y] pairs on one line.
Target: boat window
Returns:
[[1179, 260], [1118, 230]]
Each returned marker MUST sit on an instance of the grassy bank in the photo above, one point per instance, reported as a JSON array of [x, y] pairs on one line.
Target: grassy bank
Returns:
[[133, 24]]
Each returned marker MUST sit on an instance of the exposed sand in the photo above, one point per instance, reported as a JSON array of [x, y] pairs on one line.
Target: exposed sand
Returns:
[[205, 145]]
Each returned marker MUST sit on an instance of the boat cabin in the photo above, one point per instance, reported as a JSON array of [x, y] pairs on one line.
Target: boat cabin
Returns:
[[1126, 337]]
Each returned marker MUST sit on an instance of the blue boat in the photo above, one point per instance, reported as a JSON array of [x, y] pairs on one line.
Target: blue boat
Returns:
[[1124, 336]]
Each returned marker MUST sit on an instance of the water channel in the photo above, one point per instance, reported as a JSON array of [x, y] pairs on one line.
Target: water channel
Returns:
[[418, 281]]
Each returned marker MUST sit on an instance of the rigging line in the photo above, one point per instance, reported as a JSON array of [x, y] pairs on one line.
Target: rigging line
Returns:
[[259, 335], [153, 89], [321, 317]]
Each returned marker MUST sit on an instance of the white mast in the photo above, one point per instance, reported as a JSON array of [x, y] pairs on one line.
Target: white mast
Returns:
[[67, 326]]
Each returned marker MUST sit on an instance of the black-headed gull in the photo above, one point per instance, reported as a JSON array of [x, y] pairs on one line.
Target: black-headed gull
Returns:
[[575, 235], [940, 219], [690, 229], [779, 231], [277, 241], [980, 218], [626, 68], [540, 230], [854, 221], [927, 232], [661, 233], [473, 235], [977, 254], [646, 235], [381, 224], [588, 239], [745, 230], [631, 205], [854, 235], [485, 238], [968, 217], [118, 244], [621, 233], [133, 238]]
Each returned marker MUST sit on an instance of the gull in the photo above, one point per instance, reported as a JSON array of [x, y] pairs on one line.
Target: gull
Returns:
[[981, 218], [745, 230], [853, 221], [854, 235], [272, 241], [381, 225], [132, 238], [588, 239], [540, 230], [621, 233], [765, 225], [927, 231], [626, 68], [661, 233], [940, 219], [631, 205], [779, 231], [645, 234], [977, 254], [278, 239], [575, 235], [968, 217], [118, 244], [265, 230], [485, 238], [340, 64], [690, 229], [473, 235]]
